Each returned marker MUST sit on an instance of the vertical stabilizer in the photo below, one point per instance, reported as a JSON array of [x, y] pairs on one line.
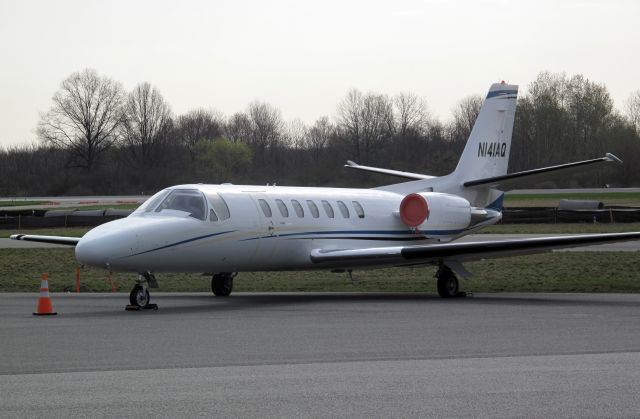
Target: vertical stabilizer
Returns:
[[487, 151]]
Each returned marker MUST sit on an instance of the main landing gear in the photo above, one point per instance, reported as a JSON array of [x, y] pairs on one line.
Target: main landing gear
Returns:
[[222, 283], [139, 297], [448, 286]]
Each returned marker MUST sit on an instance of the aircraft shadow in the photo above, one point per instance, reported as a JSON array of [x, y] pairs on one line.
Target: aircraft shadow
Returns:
[[170, 304]]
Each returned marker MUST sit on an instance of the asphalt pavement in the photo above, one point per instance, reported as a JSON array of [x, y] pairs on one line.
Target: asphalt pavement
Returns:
[[322, 355]]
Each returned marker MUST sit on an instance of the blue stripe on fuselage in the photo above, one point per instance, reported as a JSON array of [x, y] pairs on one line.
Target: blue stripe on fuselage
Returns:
[[183, 242], [495, 93], [318, 234], [363, 232]]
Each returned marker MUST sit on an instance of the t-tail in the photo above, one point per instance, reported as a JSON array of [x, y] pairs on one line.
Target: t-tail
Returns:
[[486, 153], [481, 174]]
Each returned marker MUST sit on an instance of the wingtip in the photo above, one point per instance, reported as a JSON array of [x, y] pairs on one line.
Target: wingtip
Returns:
[[613, 158], [350, 163]]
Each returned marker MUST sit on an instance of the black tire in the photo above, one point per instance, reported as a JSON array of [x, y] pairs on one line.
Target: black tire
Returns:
[[222, 285], [139, 296], [447, 283]]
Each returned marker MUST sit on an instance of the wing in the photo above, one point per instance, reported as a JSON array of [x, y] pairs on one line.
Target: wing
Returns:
[[459, 252], [70, 241]]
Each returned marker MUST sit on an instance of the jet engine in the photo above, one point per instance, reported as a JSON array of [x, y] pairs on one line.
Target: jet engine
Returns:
[[428, 211]]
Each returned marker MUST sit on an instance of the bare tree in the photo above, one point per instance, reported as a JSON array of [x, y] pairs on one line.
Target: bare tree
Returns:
[[266, 126], [350, 118], [238, 128], [147, 116], [377, 121], [198, 125], [632, 109], [319, 136], [411, 114], [297, 133], [84, 118], [465, 114], [367, 120]]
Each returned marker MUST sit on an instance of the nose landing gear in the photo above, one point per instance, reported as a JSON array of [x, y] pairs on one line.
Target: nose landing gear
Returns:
[[139, 297]]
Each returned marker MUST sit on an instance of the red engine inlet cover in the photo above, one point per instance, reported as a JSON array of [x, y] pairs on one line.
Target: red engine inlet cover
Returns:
[[414, 210]]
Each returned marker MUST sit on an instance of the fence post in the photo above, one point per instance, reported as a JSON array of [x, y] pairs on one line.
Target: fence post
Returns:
[[77, 279]]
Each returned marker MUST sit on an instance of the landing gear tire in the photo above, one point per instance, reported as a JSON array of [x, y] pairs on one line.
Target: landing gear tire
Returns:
[[448, 286], [222, 284], [139, 296]]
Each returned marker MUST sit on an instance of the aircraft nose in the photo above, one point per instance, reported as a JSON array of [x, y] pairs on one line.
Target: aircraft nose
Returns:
[[88, 252]]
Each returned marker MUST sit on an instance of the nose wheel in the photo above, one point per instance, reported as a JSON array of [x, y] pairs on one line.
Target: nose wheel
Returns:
[[139, 296]]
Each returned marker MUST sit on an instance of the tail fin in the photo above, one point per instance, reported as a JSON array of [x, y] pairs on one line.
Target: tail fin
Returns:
[[487, 151]]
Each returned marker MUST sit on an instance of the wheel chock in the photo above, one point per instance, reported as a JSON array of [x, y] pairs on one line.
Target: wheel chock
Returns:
[[131, 307]]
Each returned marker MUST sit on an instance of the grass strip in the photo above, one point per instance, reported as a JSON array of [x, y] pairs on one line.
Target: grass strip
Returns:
[[20, 270]]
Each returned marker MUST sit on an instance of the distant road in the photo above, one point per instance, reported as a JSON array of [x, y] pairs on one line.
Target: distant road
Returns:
[[53, 202]]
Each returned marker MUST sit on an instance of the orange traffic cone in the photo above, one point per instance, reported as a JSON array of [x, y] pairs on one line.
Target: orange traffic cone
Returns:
[[45, 308]]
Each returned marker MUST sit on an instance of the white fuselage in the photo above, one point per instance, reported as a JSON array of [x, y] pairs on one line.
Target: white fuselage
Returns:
[[248, 239]]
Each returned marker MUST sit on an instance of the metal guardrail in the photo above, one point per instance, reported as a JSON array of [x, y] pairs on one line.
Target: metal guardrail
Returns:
[[59, 218], [555, 215]]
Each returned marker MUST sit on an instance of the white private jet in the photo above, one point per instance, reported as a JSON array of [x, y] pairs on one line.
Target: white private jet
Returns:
[[226, 229]]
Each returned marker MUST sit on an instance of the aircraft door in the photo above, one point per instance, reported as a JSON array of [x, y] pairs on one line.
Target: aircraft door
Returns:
[[235, 213], [268, 231]]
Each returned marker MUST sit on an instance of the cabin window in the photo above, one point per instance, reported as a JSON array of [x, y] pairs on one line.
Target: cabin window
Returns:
[[297, 208], [282, 208], [185, 200], [313, 208], [343, 209], [219, 205], [358, 208], [328, 209], [266, 209], [212, 215]]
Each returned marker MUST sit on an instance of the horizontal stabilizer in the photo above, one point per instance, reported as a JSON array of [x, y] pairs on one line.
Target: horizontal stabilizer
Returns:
[[510, 180], [69, 241], [407, 175]]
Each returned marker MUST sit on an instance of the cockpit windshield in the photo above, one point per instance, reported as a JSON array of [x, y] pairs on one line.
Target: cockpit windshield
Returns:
[[177, 201], [185, 200], [150, 204]]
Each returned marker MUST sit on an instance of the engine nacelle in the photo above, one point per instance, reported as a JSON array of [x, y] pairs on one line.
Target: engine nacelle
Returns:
[[434, 211]]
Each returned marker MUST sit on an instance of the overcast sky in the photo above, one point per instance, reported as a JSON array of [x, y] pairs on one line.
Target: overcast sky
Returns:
[[303, 56]]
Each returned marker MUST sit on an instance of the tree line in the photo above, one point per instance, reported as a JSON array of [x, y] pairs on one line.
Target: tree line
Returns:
[[98, 139]]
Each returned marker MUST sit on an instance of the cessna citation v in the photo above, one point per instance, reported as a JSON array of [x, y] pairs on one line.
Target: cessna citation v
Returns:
[[226, 229]]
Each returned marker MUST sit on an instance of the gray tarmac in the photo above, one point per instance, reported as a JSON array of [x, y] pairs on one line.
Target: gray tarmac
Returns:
[[322, 355]]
